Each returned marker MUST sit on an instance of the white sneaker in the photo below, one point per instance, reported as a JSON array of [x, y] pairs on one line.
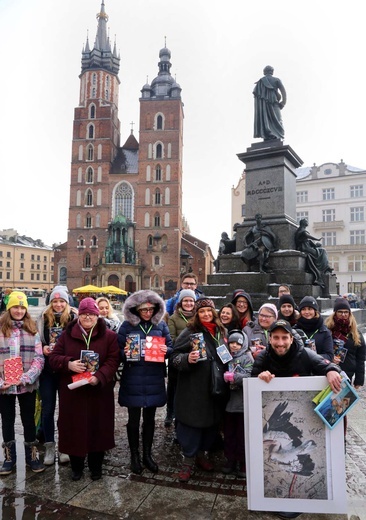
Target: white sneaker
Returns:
[[63, 458], [50, 454]]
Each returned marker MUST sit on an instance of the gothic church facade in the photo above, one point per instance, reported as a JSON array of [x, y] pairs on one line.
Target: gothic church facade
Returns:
[[125, 215]]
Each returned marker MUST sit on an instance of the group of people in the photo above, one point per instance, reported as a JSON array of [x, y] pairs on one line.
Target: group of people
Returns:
[[204, 352]]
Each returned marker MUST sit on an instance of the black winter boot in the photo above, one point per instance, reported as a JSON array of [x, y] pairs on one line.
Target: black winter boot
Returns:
[[133, 441], [10, 458], [147, 440], [32, 457]]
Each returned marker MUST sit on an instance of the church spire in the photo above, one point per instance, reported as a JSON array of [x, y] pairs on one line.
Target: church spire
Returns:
[[101, 56]]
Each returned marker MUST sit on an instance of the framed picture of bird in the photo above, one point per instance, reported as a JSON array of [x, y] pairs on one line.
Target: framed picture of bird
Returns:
[[294, 462]]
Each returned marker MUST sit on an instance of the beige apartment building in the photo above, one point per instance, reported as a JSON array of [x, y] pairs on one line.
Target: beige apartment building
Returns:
[[25, 263]]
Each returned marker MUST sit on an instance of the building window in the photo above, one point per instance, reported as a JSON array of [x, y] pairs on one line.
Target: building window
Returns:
[[22, 256], [92, 112], [357, 214], [45, 278], [45, 268], [357, 263], [157, 197], [90, 132], [94, 78], [334, 262], [93, 241], [8, 276], [158, 173], [45, 258], [89, 175], [38, 267], [21, 276], [157, 260], [8, 264], [159, 151], [38, 277], [88, 221], [357, 237], [1, 275], [38, 258], [356, 191], [90, 152], [94, 92], [87, 261], [329, 238], [159, 122], [123, 201], [8, 254], [328, 194], [302, 214], [149, 241], [32, 266], [156, 282], [157, 220], [32, 257], [328, 215], [32, 276], [302, 196], [89, 198]]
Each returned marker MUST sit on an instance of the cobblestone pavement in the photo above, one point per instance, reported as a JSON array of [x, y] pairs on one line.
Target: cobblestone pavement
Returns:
[[121, 495]]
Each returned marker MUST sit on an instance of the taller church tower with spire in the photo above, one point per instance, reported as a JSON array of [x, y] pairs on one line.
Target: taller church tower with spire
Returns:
[[125, 214]]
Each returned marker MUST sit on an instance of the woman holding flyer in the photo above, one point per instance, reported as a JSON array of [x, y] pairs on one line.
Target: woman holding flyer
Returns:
[[50, 325], [86, 415], [198, 411], [143, 377], [351, 356], [21, 362]]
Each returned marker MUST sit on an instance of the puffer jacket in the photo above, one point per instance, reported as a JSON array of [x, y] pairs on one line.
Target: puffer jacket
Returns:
[[143, 382]]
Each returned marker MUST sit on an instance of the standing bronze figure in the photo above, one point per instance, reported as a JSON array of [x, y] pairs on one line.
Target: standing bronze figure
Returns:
[[269, 99]]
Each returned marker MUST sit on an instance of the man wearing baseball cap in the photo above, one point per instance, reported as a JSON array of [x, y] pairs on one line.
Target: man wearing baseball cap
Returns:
[[285, 357]]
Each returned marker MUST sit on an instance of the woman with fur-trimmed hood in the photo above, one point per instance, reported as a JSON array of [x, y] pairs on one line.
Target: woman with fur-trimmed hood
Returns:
[[143, 382]]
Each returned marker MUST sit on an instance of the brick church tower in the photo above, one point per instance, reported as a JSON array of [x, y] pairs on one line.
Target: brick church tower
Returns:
[[125, 215]]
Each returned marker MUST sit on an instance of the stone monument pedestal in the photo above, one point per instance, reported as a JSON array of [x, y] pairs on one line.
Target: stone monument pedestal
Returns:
[[271, 192]]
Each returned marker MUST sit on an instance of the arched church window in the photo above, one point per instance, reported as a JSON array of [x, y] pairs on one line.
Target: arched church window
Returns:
[[89, 198], [87, 261], [90, 152], [159, 151], [158, 173], [92, 112], [123, 200], [159, 122], [89, 175], [91, 132]]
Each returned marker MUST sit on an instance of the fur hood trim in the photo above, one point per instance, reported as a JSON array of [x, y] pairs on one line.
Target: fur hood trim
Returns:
[[139, 297]]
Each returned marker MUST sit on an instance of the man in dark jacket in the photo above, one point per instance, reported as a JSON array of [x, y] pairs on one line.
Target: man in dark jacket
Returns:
[[286, 358]]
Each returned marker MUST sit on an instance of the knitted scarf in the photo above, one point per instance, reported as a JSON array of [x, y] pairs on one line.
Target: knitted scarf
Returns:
[[341, 328], [309, 325], [210, 326]]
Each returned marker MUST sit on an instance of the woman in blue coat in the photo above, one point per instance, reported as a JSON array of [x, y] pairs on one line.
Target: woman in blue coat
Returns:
[[142, 382]]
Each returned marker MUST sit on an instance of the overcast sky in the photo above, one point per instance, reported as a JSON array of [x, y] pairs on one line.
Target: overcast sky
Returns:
[[219, 50]]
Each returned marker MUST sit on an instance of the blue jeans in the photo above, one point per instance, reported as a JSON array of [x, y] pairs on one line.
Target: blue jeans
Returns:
[[48, 388]]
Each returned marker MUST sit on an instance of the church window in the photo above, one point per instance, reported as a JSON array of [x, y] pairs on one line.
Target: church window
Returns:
[[158, 173], [107, 94], [157, 260], [169, 155], [167, 172], [159, 122], [89, 198], [157, 220], [147, 220], [94, 78], [78, 220], [157, 197], [148, 173], [91, 132], [108, 81], [123, 201], [78, 198], [81, 241], [166, 219], [97, 220], [159, 151], [150, 241], [80, 152], [92, 112], [89, 175], [164, 241], [94, 92], [88, 221], [156, 282], [93, 241], [90, 152], [87, 262]]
